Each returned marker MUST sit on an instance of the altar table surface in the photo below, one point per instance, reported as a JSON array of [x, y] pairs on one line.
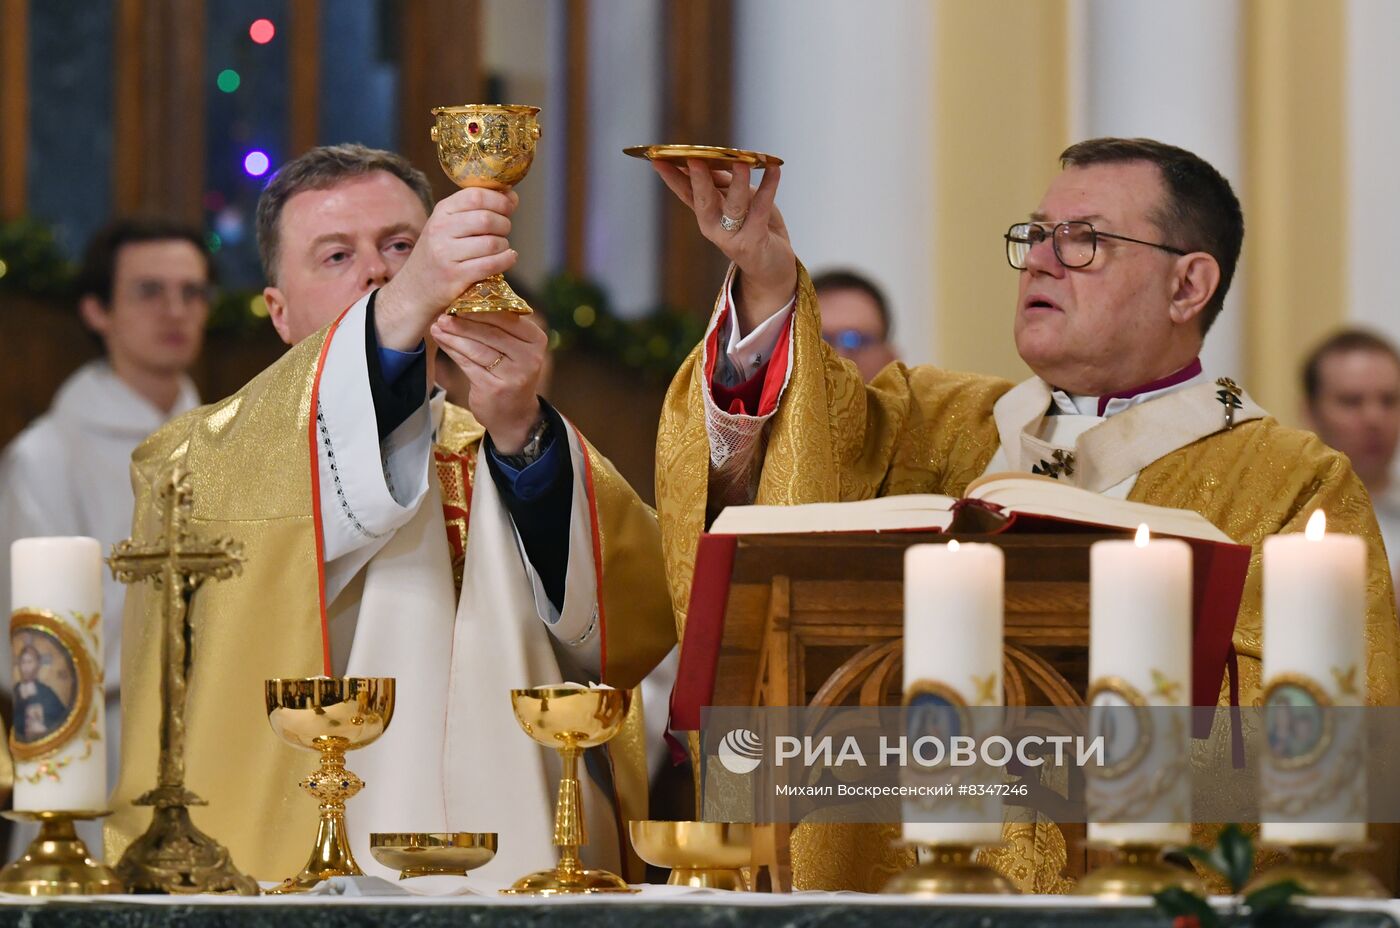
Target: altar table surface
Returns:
[[675, 907]]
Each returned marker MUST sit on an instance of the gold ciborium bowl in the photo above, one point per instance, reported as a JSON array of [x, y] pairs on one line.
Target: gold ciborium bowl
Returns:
[[569, 719], [559, 715], [429, 854], [707, 854], [330, 715], [486, 145]]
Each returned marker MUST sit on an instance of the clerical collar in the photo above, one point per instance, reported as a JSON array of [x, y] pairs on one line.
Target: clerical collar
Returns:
[[1073, 404]]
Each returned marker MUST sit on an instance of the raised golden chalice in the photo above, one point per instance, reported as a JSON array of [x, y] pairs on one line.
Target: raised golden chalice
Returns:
[[331, 715], [704, 854], [487, 145], [569, 719], [416, 854]]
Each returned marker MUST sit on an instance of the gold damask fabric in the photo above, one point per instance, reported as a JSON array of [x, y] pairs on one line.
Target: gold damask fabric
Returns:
[[925, 430], [249, 461]]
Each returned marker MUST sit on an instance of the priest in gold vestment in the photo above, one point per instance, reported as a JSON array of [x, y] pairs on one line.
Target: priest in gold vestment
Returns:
[[389, 533], [1123, 266]]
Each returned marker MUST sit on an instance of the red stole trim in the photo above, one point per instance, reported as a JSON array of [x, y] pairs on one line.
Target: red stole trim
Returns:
[[314, 448]]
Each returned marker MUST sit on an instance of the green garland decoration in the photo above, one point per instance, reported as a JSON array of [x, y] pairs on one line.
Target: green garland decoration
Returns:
[[580, 315], [31, 262]]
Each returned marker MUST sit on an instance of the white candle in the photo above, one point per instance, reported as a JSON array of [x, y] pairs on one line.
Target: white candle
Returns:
[[1140, 637], [953, 638], [56, 651], [1314, 630]]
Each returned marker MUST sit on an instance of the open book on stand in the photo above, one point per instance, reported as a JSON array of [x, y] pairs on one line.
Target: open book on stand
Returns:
[[1001, 496], [871, 535]]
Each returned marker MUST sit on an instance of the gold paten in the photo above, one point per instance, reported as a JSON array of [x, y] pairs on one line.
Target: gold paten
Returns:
[[173, 856], [429, 854], [331, 715], [952, 871], [1137, 870], [683, 153], [57, 862], [569, 719], [487, 145], [1317, 870], [703, 854]]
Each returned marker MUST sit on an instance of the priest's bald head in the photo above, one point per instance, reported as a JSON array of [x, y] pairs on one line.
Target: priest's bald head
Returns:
[[1124, 264], [334, 224]]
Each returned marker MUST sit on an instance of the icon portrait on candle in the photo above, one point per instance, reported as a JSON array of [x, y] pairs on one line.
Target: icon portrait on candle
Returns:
[[53, 683], [1296, 721], [1117, 716], [934, 710]]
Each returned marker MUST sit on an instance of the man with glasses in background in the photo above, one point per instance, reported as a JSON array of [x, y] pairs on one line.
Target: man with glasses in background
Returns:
[[855, 320], [143, 290], [1123, 267]]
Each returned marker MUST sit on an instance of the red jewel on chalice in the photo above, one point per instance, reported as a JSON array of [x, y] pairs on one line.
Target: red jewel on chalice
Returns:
[[473, 128]]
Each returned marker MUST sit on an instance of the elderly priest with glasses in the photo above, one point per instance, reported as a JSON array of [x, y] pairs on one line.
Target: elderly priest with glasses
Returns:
[[1123, 267]]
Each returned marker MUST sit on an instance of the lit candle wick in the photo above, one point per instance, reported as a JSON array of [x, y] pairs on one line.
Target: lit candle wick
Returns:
[[1143, 535], [953, 544], [1317, 526]]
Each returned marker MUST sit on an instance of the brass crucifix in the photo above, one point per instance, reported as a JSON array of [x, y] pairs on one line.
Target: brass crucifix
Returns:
[[173, 856]]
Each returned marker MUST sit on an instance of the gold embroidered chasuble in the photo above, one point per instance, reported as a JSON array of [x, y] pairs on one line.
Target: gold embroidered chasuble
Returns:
[[925, 430], [251, 463]]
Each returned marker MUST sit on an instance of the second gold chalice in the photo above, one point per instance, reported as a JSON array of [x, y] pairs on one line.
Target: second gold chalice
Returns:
[[331, 715], [569, 719], [487, 145]]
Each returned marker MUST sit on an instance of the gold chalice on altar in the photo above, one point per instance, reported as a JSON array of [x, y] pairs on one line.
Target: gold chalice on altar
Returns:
[[331, 715], [416, 854], [569, 719], [704, 854], [487, 145]]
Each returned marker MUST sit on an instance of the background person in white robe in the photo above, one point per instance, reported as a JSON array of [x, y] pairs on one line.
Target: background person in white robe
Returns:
[[144, 291]]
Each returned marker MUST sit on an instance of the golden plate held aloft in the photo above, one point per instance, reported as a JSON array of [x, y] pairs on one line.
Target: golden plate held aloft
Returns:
[[428, 854], [703, 152]]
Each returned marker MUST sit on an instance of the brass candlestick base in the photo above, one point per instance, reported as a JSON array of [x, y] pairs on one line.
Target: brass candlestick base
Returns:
[[702, 854], [57, 862], [174, 857], [1138, 870], [487, 145], [1315, 868], [569, 719], [953, 871], [330, 715]]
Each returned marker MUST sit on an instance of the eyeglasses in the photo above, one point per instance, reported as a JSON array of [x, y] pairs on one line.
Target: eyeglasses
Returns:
[[1075, 242], [151, 291], [850, 339]]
